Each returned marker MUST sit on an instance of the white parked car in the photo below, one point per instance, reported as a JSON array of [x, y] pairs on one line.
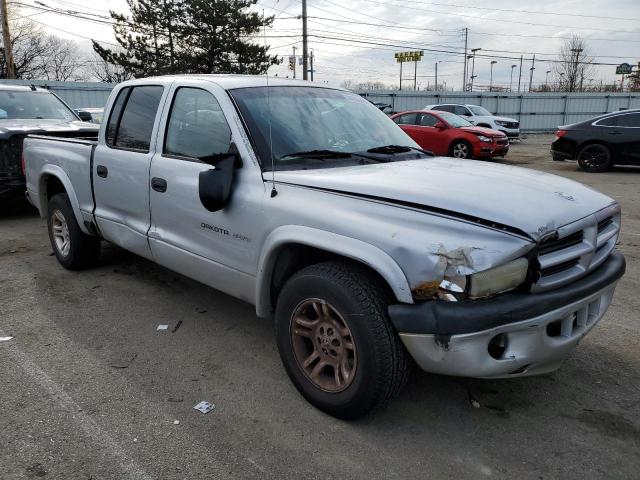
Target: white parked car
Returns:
[[481, 117]]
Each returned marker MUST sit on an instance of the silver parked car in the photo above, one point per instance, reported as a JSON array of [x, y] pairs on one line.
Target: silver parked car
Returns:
[[311, 204]]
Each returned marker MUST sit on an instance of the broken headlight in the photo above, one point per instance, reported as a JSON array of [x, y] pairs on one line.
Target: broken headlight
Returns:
[[499, 279]]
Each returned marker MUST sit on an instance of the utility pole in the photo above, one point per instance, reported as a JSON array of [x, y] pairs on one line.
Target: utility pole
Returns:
[[6, 39], [546, 78], [464, 73], [305, 54], [415, 74], [533, 67], [401, 75], [473, 65], [520, 74], [311, 64], [573, 82], [295, 60], [436, 88]]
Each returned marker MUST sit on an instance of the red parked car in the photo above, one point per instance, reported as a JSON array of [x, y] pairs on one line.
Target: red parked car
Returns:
[[447, 134]]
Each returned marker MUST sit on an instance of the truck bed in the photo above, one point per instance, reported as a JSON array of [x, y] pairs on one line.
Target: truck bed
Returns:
[[70, 159]]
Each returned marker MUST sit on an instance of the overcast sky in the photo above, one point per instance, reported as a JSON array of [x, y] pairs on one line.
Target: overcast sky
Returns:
[[501, 28]]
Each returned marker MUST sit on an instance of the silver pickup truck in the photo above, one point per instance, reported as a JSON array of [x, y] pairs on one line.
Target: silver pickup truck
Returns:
[[312, 205]]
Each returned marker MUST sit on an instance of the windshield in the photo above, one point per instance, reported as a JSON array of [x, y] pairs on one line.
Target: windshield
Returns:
[[454, 120], [29, 105], [480, 111], [308, 119]]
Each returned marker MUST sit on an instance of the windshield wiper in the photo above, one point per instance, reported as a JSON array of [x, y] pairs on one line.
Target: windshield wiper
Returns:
[[392, 149], [319, 154]]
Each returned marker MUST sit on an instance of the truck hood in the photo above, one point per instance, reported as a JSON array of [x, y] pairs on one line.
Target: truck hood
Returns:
[[532, 202], [10, 127]]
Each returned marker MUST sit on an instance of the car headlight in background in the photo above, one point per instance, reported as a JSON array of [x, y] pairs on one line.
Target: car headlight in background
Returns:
[[499, 279], [483, 138], [501, 123]]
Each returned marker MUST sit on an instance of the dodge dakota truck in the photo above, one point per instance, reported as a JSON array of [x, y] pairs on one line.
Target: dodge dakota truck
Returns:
[[25, 110], [311, 204]]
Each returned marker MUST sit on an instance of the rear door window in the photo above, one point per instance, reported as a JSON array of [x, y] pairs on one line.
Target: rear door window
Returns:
[[406, 119], [629, 120], [427, 120], [444, 108], [196, 127], [134, 127]]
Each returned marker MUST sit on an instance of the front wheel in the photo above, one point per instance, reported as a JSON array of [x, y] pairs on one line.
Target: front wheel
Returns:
[[73, 248], [594, 158], [461, 149], [336, 342]]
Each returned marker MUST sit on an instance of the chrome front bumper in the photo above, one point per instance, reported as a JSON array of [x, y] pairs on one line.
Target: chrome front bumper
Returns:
[[528, 347]]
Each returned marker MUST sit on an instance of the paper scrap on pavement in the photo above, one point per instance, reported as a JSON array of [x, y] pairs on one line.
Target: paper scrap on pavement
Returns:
[[204, 407]]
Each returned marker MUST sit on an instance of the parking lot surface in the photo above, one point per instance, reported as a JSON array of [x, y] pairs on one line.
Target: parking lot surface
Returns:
[[90, 389]]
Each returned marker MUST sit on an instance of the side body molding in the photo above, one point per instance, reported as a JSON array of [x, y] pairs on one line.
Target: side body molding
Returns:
[[358, 250]]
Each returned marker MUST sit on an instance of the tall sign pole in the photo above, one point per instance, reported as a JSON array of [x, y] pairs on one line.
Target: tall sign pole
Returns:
[[415, 56], [520, 74], [6, 40], [305, 52]]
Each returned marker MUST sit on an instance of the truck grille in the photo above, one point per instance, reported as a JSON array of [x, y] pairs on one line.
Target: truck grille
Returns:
[[577, 248]]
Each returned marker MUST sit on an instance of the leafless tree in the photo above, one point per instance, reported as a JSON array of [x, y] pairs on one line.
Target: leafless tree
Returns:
[[39, 55], [107, 72], [575, 64]]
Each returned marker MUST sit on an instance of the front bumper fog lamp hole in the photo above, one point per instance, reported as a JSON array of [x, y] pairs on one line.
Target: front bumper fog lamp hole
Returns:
[[554, 328], [497, 346]]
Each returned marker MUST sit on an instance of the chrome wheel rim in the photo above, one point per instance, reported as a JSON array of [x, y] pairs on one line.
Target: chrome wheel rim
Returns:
[[460, 150], [323, 345], [60, 231]]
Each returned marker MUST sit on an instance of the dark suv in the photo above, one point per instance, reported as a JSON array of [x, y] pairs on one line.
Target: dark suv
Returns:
[[25, 110], [601, 142]]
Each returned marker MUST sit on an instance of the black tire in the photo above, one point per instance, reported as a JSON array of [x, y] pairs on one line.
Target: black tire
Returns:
[[357, 296], [594, 158], [83, 250], [461, 149]]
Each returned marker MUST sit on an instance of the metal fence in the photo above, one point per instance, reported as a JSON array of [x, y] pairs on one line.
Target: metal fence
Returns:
[[75, 94], [537, 112]]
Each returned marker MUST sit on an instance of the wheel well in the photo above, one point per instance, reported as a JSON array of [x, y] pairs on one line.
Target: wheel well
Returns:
[[293, 257], [459, 140], [592, 142], [52, 186]]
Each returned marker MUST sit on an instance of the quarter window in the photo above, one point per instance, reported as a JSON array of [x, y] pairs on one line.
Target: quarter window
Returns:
[[608, 122], [196, 127], [132, 127]]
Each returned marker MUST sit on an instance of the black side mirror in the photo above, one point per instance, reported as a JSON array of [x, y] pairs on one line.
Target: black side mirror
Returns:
[[215, 185], [85, 116]]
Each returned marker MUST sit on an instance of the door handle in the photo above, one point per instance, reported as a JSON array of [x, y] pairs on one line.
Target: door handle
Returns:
[[102, 171], [159, 184]]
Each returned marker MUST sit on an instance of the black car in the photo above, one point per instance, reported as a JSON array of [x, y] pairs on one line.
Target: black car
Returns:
[[601, 142]]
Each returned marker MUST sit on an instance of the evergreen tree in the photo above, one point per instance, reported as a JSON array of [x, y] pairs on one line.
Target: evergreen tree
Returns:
[[188, 36]]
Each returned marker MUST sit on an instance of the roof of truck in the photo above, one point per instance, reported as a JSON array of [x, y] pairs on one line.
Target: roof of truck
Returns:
[[229, 81]]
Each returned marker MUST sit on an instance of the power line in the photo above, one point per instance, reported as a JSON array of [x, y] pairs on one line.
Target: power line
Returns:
[[535, 12], [484, 19]]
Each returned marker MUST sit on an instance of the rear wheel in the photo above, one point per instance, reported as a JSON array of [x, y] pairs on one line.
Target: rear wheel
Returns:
[[461, 149], [73, 248], [594, 158], [336, 342]]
